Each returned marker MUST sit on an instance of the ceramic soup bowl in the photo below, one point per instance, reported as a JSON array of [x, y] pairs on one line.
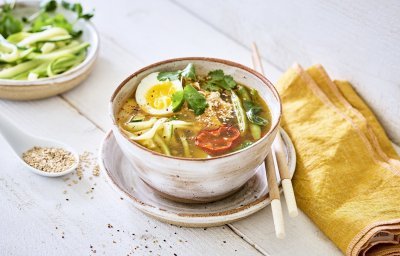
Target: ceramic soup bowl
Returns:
[[189, 179]]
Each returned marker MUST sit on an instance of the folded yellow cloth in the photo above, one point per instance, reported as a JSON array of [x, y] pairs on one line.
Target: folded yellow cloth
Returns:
[[347, 178]]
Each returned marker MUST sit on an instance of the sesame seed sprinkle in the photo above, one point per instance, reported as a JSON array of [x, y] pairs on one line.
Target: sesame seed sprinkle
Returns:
[[49, 159]]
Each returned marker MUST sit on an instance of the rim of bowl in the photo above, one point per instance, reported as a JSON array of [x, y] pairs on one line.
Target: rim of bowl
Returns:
[[90, 57], [266, 82]]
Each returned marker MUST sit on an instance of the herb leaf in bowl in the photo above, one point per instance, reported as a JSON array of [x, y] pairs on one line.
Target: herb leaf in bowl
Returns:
[[45, 20], [8, 23], [188, 72], [49, 6], [77, 8], [196, 101], [252, 111], [217, 80]]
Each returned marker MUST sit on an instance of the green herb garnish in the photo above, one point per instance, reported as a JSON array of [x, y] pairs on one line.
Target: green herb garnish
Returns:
[[244, 144], [252, 111], [45, 20], [196, 101], [217, 80], [49, 6], [177, 101], [188, 72], [8, 23], [77, 8], [169, 75]]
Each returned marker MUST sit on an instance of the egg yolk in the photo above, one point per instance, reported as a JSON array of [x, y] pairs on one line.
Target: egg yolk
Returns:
[[159, 96]]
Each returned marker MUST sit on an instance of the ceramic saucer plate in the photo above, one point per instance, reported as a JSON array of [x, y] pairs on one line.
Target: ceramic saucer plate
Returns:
[[252, 197], [47, 87]]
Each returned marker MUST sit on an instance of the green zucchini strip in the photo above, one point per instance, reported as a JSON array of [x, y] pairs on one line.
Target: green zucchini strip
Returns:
[[42, 36], [185, 144], [158, 140], [138, 126], [239, 112], [18, 69]]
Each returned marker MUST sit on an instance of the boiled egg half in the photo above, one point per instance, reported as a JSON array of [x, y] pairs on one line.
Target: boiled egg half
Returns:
[[154, 96]]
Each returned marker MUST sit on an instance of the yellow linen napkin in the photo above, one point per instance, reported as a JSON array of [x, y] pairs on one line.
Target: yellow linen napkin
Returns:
[[347, 178]]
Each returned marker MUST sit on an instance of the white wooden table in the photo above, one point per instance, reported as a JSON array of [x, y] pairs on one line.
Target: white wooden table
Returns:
[[36, 218]]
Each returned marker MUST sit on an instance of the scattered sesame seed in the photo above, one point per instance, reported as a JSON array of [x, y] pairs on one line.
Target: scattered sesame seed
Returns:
[[96, 170]]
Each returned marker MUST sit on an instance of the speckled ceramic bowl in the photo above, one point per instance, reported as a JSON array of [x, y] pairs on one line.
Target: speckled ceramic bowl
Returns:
[[190, 179]]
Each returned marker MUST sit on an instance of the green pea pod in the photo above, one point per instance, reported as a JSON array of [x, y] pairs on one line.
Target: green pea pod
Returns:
[[239, 112]]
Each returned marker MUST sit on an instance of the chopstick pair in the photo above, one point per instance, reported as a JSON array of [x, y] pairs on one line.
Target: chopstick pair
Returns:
[[277, 156]]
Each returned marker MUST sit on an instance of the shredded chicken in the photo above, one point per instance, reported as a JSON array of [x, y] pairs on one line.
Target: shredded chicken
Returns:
[[217, 112]]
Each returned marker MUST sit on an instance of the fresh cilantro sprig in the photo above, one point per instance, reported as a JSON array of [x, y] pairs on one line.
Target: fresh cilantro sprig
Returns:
[[77, 8], [8, 23], [195, 100], [169, 75], [188, 72], [48, 6], [44, 18], [217, 80]]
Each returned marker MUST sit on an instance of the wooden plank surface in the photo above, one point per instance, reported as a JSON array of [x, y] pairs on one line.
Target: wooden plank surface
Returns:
[[355, 40], [40, 218]]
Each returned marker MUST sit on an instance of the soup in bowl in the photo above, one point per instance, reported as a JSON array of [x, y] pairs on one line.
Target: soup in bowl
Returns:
[[195, 129]]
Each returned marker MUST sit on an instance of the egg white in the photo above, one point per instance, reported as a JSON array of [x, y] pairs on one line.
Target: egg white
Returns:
[[145, 86]]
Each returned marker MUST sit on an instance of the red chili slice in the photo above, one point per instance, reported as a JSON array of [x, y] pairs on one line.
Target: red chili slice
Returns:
[[219, 140]]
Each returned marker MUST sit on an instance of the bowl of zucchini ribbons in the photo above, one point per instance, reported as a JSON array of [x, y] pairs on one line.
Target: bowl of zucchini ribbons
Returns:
[[195, 129], [46, 48]]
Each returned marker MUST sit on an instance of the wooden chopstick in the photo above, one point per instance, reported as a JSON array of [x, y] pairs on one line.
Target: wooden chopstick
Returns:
[[274, 195], [270, 168], [285, 176], [279, 149]]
